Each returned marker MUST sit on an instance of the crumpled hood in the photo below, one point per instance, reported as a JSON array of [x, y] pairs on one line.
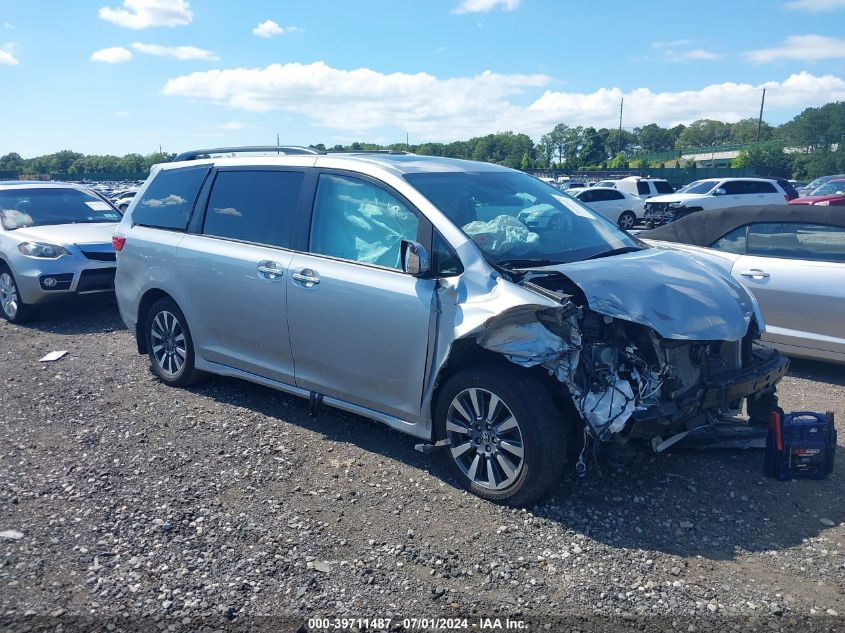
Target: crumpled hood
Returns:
[[669, 291], [677, 197], [64, 234]]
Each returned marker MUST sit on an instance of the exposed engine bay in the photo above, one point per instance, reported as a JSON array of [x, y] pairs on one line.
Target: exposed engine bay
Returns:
[[629, 383]]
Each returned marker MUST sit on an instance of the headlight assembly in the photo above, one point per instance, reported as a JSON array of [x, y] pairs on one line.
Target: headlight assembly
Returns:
[[45, 251]]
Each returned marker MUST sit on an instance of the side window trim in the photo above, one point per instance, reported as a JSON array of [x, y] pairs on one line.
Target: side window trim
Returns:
[[425, 229]]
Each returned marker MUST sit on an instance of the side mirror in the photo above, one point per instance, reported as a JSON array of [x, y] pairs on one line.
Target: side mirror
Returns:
[[415, 259], [720, 192]]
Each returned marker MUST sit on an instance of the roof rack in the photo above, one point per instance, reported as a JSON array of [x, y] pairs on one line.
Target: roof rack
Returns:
[[287, 150], [368, 151]]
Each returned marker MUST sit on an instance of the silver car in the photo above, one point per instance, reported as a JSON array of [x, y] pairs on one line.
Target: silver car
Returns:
[[790, 257], [405, 288], [55, 242]]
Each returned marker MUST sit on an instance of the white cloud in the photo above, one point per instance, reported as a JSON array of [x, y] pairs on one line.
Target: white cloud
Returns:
[[483, 6], [177, 52], [231, 125], [804, 48], [816, 6], [112, 55], [269, 28], [143, 14], [6, 58], [696, 54], [670, 51], [670, 43], [8, 25], [362, 100]]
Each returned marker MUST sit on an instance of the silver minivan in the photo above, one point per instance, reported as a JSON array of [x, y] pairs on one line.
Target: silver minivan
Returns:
[[406, 289]]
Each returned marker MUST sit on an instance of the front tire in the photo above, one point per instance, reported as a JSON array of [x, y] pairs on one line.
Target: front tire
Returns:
[[507, 437], [12, 307], [170, 346]]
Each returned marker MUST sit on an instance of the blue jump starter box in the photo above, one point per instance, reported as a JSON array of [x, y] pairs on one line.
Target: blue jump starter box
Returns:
[[800, 445]]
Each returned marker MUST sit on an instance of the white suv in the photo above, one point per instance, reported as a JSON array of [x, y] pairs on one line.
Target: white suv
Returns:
[[713, 193], [644, 188]]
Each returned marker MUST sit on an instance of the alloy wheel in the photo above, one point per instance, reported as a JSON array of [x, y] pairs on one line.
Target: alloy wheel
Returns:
[[168, 343], [8, 295], [486, 441], [627, 221]]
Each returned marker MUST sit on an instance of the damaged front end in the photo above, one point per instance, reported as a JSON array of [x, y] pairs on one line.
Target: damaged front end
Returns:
[[642, 363]]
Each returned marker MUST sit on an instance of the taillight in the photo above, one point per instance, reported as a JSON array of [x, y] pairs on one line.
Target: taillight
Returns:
[[118, 241]]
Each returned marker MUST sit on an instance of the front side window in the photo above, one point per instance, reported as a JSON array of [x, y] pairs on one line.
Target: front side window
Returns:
[[20, 208], [663, 187], [356, 220], [513, 216], [613, 195], [795, 240], [734, 187], [643, 188], [170, 197], [253, 206], [587, 196]]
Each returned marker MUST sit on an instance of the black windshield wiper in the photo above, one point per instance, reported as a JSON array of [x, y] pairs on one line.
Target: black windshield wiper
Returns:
[[615, 251], [526, 262]]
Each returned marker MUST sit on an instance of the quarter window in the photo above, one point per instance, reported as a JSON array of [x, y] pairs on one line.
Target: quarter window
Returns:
[[253, 206], [170, 197], [356, 220], [733, 242]]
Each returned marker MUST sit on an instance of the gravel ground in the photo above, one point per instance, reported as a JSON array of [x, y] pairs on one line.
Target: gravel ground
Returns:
[[130, 502]]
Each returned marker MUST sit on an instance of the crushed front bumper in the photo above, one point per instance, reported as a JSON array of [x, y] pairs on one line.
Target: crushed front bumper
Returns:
[[765, 370]]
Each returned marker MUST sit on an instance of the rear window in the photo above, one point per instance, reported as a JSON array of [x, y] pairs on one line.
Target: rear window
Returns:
[[253, 206], [663, 186], [761, 187], [20, 208], [168, 201]]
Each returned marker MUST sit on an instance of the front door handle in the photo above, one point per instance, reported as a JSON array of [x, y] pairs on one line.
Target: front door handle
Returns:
[[270, 271], [307, 277], [755, 273]]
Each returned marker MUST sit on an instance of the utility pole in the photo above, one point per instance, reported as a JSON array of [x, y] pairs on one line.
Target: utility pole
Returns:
[[760, 120], [619, 136], [407, 141], [277, 142]]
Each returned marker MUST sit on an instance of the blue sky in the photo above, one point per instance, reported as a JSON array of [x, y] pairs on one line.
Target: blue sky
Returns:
[[118, 76]]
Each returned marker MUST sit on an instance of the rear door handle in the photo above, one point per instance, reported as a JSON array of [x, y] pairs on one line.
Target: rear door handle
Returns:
[[306, 277], [270, 271], [755, 273]]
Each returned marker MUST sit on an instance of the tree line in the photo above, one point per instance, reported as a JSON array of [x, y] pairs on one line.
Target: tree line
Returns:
[[814, 141]]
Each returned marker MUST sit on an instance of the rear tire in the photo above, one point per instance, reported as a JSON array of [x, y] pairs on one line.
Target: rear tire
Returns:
[[12, 307], [170, 346], [627, 220], [508, 439]]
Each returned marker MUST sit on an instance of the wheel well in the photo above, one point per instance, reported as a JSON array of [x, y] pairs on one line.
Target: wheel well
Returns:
[[468, 353], [149, 298]]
